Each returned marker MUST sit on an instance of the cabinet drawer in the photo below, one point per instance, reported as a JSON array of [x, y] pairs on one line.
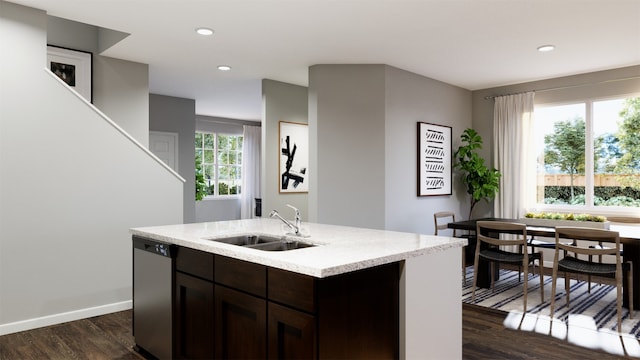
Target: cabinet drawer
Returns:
[[292, 289], [195, 262], [241, 275]]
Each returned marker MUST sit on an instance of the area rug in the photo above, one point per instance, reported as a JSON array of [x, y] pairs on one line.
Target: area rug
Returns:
[[600, 304]]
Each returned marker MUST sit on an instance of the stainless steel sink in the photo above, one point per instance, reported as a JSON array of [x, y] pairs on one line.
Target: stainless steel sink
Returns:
[[280, 246], [244, 240], [263, 242]]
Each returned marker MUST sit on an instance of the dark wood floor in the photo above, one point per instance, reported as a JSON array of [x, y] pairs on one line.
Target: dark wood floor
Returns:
[[101, 337], [485, 337], [109, 337]]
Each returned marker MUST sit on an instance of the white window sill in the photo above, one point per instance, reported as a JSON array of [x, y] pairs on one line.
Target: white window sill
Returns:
[[228, 197]]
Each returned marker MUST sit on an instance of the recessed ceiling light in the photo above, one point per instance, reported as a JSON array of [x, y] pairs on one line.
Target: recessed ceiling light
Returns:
[[224, 67], [546, 48], [204, 31]]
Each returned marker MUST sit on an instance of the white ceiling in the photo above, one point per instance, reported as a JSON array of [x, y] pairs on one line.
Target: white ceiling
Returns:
[[474, 44]]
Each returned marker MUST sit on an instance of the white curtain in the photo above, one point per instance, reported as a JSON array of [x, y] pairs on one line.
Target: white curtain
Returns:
[[252, 139], [513, 157]]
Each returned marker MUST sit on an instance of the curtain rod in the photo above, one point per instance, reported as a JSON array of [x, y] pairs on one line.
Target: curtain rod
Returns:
[[227, 121], [489, 97]]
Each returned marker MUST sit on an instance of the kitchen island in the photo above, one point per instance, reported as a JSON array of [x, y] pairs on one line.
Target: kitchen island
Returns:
[[350, 279]]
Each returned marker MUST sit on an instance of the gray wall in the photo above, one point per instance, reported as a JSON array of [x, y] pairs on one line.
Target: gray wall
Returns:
[[281, 102], [411, 98], [121, 91], [177, 115], [364, 122], [347, 125], [71, 187], [120, 88], [217, 210]]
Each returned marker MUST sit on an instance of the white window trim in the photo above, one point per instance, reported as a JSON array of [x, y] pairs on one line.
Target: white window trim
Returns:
[[222, 197], [215, 150]]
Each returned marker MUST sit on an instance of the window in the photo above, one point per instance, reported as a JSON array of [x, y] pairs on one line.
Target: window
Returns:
[[219, 160], [588, 154]]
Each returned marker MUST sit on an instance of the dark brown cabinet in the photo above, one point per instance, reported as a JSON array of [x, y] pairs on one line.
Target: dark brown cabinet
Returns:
[[294, 290], [226, 308], [193, 313], [241, 321], [292, 333], [194, 318], [241, 275], [358, 314]]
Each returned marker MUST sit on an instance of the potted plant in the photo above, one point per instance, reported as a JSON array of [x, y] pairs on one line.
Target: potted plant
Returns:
[[550, 219], [481, 181]]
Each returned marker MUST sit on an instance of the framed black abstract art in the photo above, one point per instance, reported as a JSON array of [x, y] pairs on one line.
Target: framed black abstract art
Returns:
[[294, 157]]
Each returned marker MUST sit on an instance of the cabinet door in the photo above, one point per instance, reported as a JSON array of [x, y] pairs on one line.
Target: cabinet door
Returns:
[[292, 333], [194, 323], [240, 326]]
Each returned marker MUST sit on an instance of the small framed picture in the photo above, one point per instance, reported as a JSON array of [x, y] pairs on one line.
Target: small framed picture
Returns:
[[74, 67], [434, 159], [294, 157]]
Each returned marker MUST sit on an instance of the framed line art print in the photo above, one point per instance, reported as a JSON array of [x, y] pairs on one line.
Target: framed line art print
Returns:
[[73, 67], [434, 159], [293, 157]]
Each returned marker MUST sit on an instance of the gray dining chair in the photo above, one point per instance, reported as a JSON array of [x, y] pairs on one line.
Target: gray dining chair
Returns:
[[570, 263], [496, 236]]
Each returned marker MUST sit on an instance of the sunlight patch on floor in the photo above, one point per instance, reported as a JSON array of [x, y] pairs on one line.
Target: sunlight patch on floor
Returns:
[[580, 330]]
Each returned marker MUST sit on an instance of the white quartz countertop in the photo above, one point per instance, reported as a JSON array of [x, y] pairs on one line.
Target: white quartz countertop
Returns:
[[340, 249]]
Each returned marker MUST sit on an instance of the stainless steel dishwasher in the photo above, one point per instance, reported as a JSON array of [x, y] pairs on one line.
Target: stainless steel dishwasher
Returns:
[[153, 265]]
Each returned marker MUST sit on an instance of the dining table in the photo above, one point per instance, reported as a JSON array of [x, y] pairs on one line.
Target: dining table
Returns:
[[629, 238]]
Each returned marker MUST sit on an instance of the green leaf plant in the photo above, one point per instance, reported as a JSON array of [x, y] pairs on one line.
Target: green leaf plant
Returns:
[[201, 183], [559, 216], [482, 182]]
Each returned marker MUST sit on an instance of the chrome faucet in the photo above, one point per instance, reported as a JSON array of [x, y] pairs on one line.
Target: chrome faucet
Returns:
[[295, 227]]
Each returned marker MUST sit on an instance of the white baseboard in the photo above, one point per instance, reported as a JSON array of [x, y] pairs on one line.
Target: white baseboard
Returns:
[[54, 319]]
